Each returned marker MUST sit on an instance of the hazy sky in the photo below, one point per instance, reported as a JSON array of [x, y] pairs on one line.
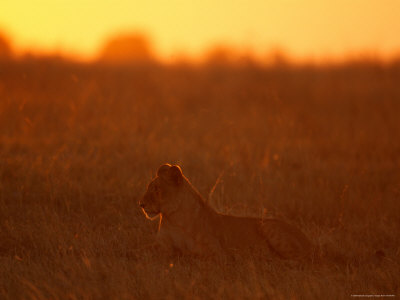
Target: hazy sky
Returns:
[[306, 28]]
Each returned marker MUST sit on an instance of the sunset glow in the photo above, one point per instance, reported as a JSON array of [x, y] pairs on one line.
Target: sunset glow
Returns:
[[306, 29]]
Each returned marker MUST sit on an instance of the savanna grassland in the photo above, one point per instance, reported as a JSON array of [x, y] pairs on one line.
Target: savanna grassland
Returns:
[[316, 146]]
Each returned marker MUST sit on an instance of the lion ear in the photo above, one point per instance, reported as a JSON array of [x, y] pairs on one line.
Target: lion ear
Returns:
[[175, 174], [163, 170]]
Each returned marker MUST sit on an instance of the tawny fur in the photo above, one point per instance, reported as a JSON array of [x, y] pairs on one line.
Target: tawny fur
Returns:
[[189, 225]]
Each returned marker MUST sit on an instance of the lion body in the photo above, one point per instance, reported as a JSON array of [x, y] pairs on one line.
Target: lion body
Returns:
[[189, 225]]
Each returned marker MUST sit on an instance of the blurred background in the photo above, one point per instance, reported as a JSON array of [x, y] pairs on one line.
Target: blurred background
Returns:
[[308, 30], [293, 105]]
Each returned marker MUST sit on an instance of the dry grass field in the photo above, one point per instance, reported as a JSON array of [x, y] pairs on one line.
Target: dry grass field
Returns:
[[316, 146]]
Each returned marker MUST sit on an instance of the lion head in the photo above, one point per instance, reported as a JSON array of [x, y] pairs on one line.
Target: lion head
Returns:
[[161, 191]]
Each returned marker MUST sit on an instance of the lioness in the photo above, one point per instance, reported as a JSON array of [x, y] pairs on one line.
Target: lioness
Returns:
[[188, 224]]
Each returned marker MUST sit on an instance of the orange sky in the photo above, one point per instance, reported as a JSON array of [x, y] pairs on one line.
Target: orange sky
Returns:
[[305, 28]]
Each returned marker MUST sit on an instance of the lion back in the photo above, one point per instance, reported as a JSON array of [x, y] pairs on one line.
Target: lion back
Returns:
[[286, 240]]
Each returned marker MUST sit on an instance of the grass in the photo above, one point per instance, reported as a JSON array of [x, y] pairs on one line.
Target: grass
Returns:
[[317, 146]]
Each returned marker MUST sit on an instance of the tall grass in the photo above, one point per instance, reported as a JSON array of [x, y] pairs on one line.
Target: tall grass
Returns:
[[317, 146]]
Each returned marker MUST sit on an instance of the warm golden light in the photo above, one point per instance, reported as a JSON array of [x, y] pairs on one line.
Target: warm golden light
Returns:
[[306, 29], [279, 120]]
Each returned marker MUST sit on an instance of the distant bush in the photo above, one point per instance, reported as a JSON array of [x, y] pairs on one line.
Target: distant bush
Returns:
[[220, 55], [5, 48], [224, 55], [127, 48]]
